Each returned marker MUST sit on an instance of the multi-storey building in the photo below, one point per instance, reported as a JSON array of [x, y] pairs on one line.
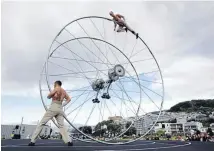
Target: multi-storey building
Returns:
[[176, 128], [169, 128], [115, 118], [192, 126], [212, 126], [162, 126], [212, 115], [146, 122]]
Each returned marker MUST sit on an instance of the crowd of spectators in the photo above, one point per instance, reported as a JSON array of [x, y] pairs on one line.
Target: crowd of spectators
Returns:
[[199, 137], [194, 137]]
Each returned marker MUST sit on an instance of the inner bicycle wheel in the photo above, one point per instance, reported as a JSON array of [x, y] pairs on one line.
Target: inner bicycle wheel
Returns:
[[73, 67]]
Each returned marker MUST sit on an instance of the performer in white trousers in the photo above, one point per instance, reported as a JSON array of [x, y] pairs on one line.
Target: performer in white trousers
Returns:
[[55, 110], [121, 22]]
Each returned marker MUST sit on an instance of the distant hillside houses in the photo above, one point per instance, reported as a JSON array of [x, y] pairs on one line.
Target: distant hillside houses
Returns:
[[211, 115], [212, 126], [172, 122]]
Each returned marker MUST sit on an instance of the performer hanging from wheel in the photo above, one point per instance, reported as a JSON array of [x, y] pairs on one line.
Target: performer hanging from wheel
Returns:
[[121, 22], [55, 110]]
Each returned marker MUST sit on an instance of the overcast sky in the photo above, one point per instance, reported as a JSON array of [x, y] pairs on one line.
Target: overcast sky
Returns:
[[180, 34]]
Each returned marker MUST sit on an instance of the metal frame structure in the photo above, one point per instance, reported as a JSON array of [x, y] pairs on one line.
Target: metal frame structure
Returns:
[[45, 68]]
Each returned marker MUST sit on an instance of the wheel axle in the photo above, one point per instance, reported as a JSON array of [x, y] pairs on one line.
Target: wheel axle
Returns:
[[99, 84]]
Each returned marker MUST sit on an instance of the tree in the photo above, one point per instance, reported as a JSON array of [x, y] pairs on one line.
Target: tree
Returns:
[[198, 132], [98, 127], [180, 106], [86, 129], [207, 122], [114, 128], [100, 124], [160, 133], [210, 132], [99, 132], [203, 106], [128, 124], [131, 131]]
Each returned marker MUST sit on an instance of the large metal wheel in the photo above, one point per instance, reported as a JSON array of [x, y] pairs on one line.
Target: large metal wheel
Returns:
[[106, 73]]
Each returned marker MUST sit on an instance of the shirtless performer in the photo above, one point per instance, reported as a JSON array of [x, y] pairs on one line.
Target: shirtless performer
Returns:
[[121, 22], [55, 110]]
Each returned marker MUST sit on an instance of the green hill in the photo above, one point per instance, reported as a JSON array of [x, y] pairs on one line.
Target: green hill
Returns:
[[203, 106]]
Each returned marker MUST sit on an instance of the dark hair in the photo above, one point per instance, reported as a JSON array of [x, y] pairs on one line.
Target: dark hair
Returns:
[[58, 83]]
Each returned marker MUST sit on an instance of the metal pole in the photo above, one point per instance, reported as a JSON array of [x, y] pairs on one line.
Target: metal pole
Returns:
[[184, 129], [21, 126]]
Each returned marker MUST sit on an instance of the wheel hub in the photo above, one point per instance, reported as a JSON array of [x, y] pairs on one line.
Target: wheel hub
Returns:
[[99, 84]]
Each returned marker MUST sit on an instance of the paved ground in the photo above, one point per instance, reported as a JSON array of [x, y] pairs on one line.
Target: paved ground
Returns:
[[56, 145]]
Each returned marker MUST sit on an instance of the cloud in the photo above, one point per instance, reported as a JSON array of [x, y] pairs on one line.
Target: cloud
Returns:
[[178, 33], [12, 113], [190, 78]]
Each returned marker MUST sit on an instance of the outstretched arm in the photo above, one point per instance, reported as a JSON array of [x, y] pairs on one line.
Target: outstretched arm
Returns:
[[115, 25]]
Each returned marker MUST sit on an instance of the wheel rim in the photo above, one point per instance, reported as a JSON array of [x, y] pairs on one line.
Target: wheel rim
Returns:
[[48, 83]]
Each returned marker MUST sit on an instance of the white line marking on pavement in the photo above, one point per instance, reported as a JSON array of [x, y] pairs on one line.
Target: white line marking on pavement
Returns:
[[18, 145], [140, 149], [137, 149]]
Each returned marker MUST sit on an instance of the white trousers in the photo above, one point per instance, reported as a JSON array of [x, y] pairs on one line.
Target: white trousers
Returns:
[[121, 25], [55, 110]]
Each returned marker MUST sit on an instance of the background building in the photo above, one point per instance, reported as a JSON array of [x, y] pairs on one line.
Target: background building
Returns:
[[192, 126], [176, 128], [25, 131], [146, 121], [116, 119], [162, 126], [212, 126]]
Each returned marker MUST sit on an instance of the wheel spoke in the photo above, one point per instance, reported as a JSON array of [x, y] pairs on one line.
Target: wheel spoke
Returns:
[[123, 100], [92, 41], [108, 45], [92, 110], [114, 105], [105, 43], [144, 91], [78, 98], [70, 70], [80, 108], [82, 58], [129, 98], [137, 52], [80, 105], [122, 90], [108, 108], [84, 46], [131, 52]]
